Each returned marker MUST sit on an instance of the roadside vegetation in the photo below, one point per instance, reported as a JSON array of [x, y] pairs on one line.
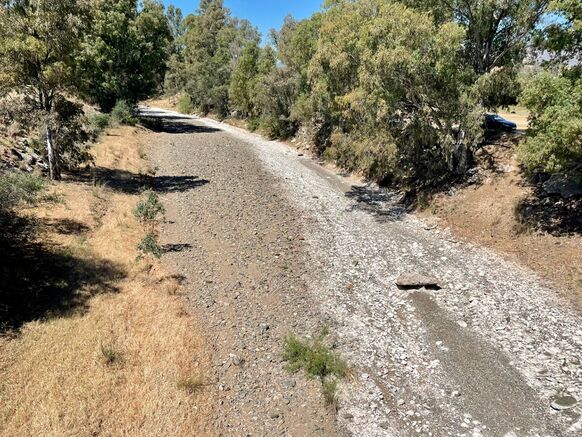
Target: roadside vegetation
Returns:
[[92, 342], [393, 90]]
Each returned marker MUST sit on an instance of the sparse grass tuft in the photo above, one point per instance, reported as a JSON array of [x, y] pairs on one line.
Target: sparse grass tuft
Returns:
[[314, 357], [190, 383], [318, 361], [329, 389], [110, 353]]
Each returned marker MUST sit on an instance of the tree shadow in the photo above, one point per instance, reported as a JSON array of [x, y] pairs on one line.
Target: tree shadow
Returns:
[[40, 281], [133, 183], [551, 214], [176, 247], [385, 205], [171, 124], [64, 226]]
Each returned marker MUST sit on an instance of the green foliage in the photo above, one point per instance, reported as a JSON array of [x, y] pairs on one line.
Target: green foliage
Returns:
[[393, 92], [562, 37], [243, 80], [329, 389], [185, 105], [498, 88], [372, 156], [123, 55], [100, 122], [38, 41], [123, 113], [316, 359], [18, 188], [276, 93], [68, 126], [496, 32], [149, 246], [149, 208], [213, 41], [554, 140]]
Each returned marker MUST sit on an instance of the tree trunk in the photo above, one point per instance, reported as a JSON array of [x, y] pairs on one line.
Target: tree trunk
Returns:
[[53, 170]]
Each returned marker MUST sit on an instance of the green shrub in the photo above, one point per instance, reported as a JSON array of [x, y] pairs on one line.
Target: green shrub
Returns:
[[253, 124], [123, 113], [498, 88], [277, 127], [149, 246], [19, 187], [373, 156], [101, 121], [554, 140], [149, 207], [185, 105], [314, 357]]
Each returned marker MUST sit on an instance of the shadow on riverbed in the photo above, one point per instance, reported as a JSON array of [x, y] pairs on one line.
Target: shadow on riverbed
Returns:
[[176, 247], [133, 183], [173, 124], [383, 204]]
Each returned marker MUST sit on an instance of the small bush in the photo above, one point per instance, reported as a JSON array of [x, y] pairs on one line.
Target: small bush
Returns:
[[253, 124], [123, 113], [100, 122], [149, 207], [277, 127], [185, 105], [19, 187], [554, 140], [149, 245], [376, 157]]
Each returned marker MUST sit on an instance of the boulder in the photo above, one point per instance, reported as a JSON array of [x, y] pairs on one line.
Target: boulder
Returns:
[[414, 281]]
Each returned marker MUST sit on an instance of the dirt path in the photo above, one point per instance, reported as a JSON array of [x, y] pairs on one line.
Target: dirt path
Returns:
[[271, 244]]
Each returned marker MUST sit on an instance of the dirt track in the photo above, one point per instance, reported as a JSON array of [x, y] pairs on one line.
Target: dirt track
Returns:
[[269, 244]]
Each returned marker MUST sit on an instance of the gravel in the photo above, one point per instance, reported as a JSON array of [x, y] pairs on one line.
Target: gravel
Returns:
[[485, 355]]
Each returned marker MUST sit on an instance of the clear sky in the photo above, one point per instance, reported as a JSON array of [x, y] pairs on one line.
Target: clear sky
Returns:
[[265, 14]]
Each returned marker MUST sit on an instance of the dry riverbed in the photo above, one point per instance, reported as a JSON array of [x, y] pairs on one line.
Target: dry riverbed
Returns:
[[271, 244]]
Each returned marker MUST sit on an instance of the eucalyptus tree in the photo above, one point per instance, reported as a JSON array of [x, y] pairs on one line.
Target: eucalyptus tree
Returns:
[[38, 41], [391, 85], [124, 54]]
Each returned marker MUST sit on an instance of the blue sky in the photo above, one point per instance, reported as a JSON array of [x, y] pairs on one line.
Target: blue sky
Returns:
[[265, 14]]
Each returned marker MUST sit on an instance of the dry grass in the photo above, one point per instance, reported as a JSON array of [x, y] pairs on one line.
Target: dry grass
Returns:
[[112, 367]]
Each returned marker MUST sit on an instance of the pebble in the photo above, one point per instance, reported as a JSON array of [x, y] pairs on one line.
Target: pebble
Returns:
[[564, 403]]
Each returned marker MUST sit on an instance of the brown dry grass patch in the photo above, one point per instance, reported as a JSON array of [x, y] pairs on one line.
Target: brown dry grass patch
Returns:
[[114, 367]]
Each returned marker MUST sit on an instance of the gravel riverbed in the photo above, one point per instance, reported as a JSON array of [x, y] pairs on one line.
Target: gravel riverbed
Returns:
[[270, 243]]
